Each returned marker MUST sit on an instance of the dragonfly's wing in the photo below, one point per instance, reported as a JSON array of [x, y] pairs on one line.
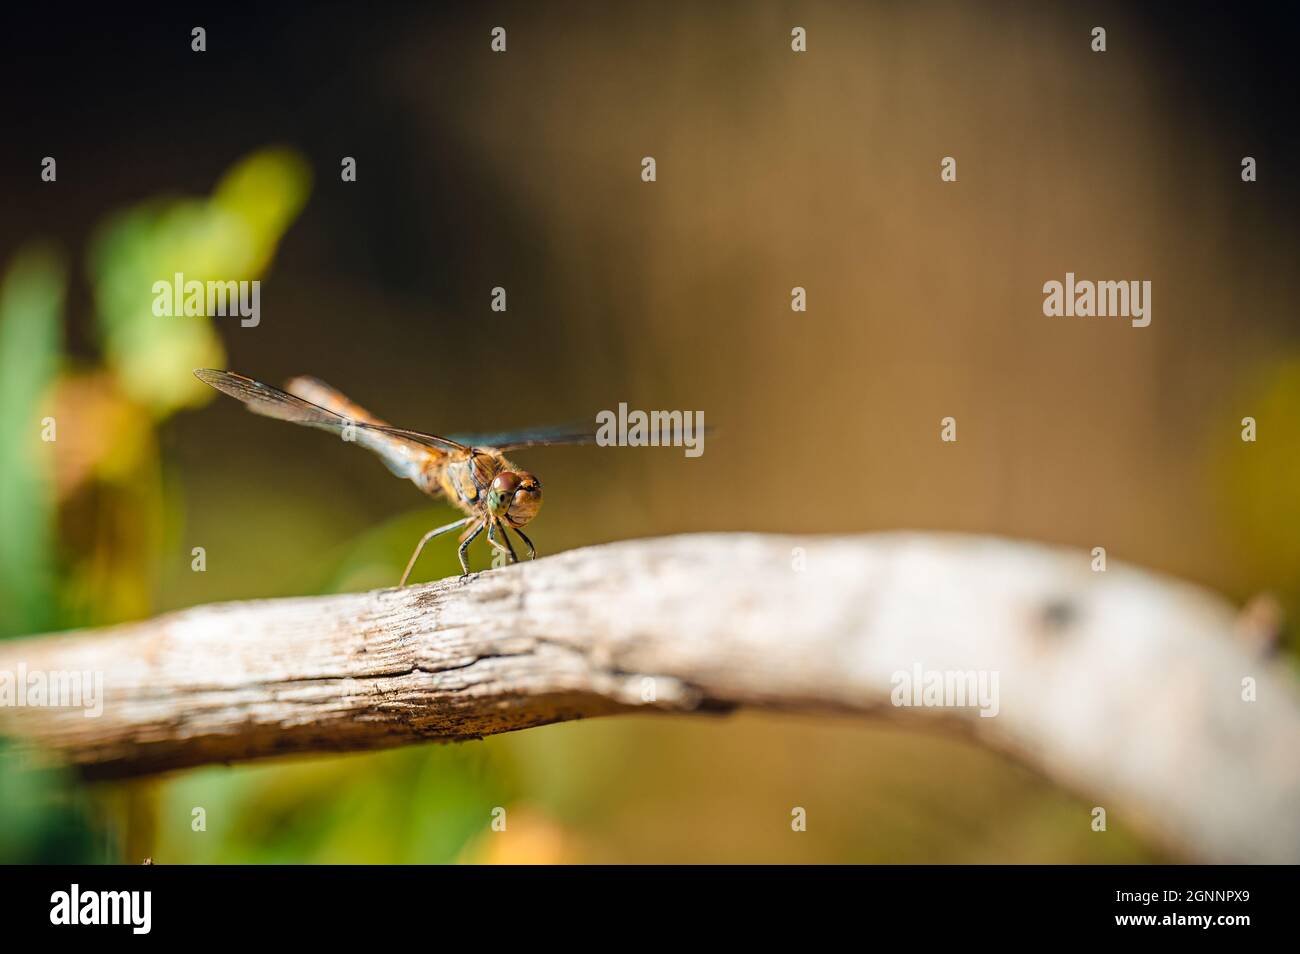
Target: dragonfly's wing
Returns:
[[564, 434], [316, 391], [403, 451], [268, 401]]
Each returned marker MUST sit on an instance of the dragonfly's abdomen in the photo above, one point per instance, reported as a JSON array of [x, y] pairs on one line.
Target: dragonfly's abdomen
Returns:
[[401, 457]]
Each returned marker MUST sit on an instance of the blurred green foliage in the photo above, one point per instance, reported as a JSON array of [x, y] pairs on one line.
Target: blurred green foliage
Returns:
[[45, 816], [31, 338], [230, 235], [87, 511], [406, 806], [1261, 485]]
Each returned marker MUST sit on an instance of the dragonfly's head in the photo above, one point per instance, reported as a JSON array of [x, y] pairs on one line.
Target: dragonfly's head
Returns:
[[515, 497]]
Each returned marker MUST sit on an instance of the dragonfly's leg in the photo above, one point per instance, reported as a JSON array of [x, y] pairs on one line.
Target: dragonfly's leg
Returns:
[[493, 527], [532, 550], [410, 565], [464, 545]]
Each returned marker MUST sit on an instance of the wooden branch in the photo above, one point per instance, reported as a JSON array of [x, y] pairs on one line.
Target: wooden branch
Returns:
[[1122, 685]]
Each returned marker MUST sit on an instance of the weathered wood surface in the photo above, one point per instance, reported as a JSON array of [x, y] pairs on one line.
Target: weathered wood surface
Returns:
[[1122, 685]]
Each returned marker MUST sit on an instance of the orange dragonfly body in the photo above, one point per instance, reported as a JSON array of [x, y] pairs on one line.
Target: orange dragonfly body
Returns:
[[470, 472]]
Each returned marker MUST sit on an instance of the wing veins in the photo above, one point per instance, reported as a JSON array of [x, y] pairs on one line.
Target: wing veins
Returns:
[[272, 402]]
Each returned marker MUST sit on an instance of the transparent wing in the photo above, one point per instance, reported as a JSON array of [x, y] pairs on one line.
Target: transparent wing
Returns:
[[559, 435], [393, 444], [315, 391]]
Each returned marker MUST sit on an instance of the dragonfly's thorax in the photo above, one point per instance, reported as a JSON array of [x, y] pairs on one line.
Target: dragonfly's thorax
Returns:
[[465, 482]]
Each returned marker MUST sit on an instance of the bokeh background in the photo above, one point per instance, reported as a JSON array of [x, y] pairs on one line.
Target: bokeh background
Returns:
[[522, 170]]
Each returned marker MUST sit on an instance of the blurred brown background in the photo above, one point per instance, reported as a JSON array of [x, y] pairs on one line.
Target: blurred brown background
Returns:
[[775, 169]]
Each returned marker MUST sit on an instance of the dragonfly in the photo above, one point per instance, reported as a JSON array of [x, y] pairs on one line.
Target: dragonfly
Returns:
[[471, 472]]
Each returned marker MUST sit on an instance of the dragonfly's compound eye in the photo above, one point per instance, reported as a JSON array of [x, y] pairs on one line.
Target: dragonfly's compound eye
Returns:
[[527, 500], [505, 483], [502, 491]]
